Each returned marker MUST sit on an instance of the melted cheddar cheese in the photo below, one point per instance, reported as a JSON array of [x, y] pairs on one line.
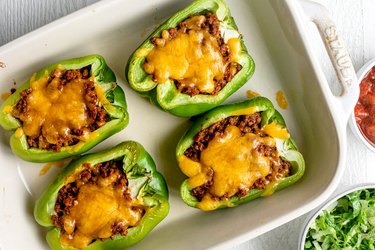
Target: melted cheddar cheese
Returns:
[[54, 111], [8, 109], [275, 130], [235, 161], [98, 208], [192, 58]]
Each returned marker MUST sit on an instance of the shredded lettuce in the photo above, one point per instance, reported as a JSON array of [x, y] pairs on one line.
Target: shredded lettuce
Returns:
[[348, 225]]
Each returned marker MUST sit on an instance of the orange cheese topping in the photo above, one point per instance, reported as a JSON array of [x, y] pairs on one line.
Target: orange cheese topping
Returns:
[[101, 95], [235, 49], [275, 130], [99, 207], [192, 58], [48, 109], [235, 161], [53, 110], [19, 133], [8, 109]]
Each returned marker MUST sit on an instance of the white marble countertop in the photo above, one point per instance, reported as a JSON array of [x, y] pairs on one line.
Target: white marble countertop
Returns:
[[355, 21]]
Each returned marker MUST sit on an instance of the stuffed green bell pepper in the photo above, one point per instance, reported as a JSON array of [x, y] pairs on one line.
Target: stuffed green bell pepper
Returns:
[[64, 109], [106, 200], [236, 153], [193, 61]]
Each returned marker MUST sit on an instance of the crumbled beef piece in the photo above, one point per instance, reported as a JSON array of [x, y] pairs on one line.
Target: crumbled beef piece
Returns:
[[105, 169], [242, 192], [98, 114], [65, 199], [200, 191], [55, 221], [172, 33], [22, 106], [266, 150], [85, 175], [119, 228], [260, 184], [187, 89], [214, 26]]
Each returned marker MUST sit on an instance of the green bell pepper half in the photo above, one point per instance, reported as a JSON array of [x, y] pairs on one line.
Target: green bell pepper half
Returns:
[[269, 114], [165, 95], [116, 109], [145, 184]]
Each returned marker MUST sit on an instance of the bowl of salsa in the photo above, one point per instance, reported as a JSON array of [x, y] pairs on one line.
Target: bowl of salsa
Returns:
[[362, 121]]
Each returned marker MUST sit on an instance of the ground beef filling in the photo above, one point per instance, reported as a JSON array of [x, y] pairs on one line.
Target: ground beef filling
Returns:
[[279, 169], [104, 175], [96, 115], [212, 25]]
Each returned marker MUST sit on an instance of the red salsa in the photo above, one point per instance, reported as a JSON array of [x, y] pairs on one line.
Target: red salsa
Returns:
[[364, 110]]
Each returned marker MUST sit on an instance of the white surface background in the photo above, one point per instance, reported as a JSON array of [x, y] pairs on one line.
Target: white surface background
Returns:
[[355, 21]]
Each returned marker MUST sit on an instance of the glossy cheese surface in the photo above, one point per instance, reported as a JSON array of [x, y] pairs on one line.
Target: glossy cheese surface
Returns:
[[54, 110], [235, 161], [98, 208], [192, 58]]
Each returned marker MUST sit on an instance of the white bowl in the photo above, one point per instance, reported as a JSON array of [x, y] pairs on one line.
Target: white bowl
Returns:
[[352, 122], [313, 215]]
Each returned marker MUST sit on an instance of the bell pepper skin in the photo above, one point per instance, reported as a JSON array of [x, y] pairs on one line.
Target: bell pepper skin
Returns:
[[147, 184], [288, 151], [116, 109], [165, 95]]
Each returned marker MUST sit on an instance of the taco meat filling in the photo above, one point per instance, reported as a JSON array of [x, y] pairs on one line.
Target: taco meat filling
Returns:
[[195, 56], [241, 145], [60, 109], [96, 205]]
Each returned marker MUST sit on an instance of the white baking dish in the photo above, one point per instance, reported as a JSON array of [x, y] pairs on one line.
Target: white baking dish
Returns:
[[275, 34]]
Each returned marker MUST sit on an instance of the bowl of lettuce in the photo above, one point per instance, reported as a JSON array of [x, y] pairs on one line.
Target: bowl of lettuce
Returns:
[[346, 221]]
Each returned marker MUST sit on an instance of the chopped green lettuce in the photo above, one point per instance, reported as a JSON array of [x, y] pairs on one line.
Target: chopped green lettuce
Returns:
[[347, 224]]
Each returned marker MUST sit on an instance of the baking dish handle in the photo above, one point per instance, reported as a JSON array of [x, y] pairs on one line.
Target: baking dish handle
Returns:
[[338, 55]]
